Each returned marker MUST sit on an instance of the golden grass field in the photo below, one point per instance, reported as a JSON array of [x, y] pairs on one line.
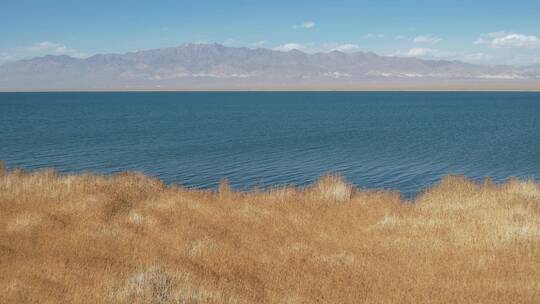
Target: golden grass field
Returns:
[[128, 238]]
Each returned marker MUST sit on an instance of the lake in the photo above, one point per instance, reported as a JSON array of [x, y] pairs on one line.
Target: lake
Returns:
[[397, 140]]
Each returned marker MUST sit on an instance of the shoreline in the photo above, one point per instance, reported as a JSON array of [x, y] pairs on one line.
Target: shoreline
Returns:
[[405, 196], [292, 90], [404, 87]]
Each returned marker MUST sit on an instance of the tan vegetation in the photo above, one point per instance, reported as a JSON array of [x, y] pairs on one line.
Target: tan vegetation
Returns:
[[129, 239]]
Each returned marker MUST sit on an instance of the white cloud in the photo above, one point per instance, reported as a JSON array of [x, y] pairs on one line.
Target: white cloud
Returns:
[[40, 49], [51, 48], [503, 39], [420, 39], [289, 47], [426, 39], [47, 46], [5, 58], [426, 53], [480, 41], [304, 25], [259, 43], [516, 41], [347, 47], [430, 53], [373, 36], [318, 48]]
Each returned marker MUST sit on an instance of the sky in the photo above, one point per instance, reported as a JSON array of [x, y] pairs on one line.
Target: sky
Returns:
[[477, 31]]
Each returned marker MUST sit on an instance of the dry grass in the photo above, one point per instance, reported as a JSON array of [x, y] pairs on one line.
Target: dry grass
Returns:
[[129, 239]]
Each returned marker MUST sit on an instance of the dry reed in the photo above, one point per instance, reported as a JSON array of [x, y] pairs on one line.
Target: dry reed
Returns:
[[128, 238]]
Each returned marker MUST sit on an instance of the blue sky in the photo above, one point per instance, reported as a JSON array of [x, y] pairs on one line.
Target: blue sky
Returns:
[[479, 31]]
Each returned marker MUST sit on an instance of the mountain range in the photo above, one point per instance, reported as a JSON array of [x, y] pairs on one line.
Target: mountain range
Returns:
[[214, 66]]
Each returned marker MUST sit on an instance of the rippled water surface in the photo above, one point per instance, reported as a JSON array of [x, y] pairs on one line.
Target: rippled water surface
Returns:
[[399, 140]]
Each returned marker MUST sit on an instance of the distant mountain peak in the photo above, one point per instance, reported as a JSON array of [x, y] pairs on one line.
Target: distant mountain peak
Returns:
[[199, 66]]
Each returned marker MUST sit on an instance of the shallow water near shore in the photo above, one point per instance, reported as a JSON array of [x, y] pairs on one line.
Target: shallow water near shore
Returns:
[[393, 140]]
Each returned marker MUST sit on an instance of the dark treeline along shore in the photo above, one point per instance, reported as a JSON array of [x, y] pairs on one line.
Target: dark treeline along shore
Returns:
[[395, 140]]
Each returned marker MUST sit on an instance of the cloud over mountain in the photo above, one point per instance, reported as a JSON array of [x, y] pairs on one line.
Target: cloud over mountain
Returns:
[[509, 40]]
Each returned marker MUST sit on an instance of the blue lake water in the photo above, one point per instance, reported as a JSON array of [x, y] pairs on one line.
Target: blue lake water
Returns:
[[397, 140]]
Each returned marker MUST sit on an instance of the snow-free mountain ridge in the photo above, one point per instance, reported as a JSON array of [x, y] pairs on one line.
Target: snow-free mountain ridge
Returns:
[[214, 66]]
